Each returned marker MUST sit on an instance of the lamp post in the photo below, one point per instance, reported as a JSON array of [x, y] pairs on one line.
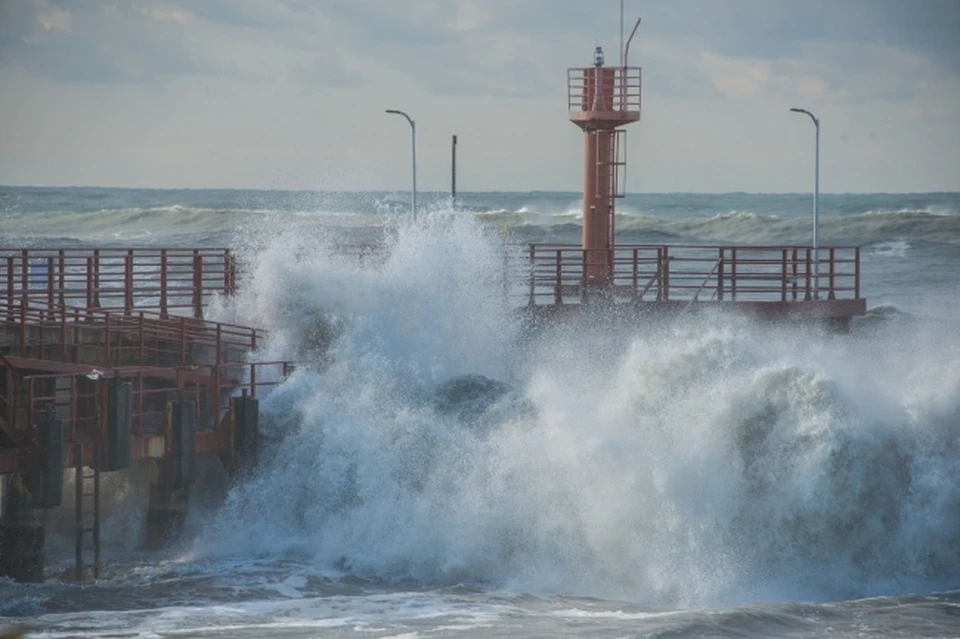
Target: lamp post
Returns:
[[413, 138], [816, 212]]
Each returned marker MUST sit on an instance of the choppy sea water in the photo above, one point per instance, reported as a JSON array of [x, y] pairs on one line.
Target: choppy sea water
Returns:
[[429, 471]]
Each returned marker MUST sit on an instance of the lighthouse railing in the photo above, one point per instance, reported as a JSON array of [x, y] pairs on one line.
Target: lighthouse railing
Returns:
[[682, 272]]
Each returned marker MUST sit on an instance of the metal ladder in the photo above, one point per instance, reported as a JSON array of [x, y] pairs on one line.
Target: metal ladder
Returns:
[[611, 179], [87, 515]]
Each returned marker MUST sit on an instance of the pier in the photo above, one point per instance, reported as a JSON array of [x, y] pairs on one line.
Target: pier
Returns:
[[106, 362]]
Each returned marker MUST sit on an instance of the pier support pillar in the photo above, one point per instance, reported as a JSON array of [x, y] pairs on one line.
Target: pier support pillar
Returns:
[[246, 434], [21, 537], [170, 478], [167, 507]]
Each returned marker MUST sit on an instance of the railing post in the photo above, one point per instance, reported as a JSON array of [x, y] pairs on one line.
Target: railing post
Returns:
[[62, 276], [557, 295], [63, 333], [183, 341], [163, 283], [636, 268], [856, 273], [140, 403], [106, 341], [11, 276], [253, 379], [783, 275], [720, 265], [50, 287], [96, 277], [796, 274], [25, 271], [831, 295], [197, 284], [666, 274], [141, 337], [733, 274], [227, 269], [89, 282], [807, 293], [23, 327], [128, 283], [533, 275]]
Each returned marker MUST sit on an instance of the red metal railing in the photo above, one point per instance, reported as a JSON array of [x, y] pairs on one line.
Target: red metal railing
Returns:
[[163, 279], [79, 402], [618, 89], [110, 339], [698, 273]]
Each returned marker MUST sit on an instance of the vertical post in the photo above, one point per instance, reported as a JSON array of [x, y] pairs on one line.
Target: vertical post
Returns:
[[733, 274], [73, 408], [96, 277], [831, 295], [183, 341], [62, 274], [453, 172], [413, 138], [106, 342], [816, 215], [141, 329], [96, 510], [636, 267], [856, 273], [89, 304], [783, 274], [78, 511], [128, 283], [197, 284], [163, 282], [720, 265], [533, 275], [557, 295], [666, 274], [50, 286], [806, 295], [413, 150], [25, 271], [11, 275]]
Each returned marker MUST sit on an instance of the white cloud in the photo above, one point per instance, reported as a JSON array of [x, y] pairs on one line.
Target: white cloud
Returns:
[[291, 92]]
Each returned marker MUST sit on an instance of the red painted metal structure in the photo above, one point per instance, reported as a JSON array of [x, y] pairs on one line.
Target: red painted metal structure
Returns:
[[165, 280], [775, 281], [763, 278], [74, 318], [600, 100]]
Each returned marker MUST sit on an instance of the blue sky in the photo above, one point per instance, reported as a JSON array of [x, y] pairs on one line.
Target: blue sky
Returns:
[[291, 93]]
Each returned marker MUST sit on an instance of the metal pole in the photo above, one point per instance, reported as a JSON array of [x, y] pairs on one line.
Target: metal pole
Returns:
[[413, 138], [453, 172], [816, 215], [816, 205]]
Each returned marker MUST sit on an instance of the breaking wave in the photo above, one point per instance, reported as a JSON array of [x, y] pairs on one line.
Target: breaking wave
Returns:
[[426, 437]]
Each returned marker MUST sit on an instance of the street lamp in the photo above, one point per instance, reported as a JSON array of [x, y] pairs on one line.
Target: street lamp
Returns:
[[816, 212], [413, 132]]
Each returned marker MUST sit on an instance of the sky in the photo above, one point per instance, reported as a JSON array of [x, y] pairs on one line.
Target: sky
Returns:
[[291, 93]]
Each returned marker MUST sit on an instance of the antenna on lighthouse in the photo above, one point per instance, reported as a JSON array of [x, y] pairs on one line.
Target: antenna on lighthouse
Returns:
[[622, 63]]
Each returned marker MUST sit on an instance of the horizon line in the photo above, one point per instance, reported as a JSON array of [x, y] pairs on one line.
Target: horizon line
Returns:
[[459, 193]]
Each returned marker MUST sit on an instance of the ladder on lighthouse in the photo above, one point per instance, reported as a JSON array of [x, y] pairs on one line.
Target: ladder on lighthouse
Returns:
[[611, 180]]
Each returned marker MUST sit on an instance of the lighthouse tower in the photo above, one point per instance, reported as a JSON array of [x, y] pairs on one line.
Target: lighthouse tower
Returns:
[[600, 100]]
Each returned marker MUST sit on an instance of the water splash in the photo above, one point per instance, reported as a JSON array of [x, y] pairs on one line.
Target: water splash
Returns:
[[710, 461]]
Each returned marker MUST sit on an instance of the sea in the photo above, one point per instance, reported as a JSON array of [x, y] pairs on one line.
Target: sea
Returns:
[[431, 469]]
